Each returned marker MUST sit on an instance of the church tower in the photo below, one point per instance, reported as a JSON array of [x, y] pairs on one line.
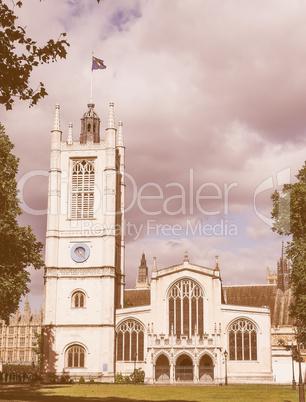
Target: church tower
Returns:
[[84, 275], [143, 278]]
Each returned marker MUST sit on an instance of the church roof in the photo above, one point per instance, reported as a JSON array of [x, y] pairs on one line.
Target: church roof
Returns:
[[262, 296], [137, 297], [241, 295]]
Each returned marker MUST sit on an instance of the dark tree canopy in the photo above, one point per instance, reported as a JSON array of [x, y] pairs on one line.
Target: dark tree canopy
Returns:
[[19, 248], [19, 55], [289, 214]]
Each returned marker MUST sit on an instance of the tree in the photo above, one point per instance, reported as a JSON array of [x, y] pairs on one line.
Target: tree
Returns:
[[289, 214], [19, 248], [38, 347], [19, 55]]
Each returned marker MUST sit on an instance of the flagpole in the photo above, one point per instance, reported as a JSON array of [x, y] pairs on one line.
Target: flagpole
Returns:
[[91, 79]]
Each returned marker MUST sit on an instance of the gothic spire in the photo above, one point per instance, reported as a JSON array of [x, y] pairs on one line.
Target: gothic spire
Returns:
[[154, 264], [70, 134], [120, 142], [57, 123], [111, 118], [143, 269], [217, 264]]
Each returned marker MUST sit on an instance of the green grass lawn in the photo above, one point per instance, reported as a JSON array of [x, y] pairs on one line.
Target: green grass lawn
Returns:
[[179, 393]]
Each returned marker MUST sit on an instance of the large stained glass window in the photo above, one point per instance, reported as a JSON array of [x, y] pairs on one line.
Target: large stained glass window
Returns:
[[186, 308], [242, 340]]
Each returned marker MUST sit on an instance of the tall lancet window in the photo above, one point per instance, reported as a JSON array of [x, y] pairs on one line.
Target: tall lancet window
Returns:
[[186, 308], [242, 340], [82, 190], [130, 341]]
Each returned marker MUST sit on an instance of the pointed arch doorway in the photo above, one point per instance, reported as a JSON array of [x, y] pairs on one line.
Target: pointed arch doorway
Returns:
[[162, 369], [206, 369], [184, 369]]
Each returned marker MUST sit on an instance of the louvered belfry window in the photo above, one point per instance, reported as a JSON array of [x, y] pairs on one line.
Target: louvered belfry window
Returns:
[[82, 191]]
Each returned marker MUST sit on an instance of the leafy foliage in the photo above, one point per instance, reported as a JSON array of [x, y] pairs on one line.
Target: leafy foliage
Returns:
[[38, 347], [122, 379], [19, 248], [127, 303], [19, 55], [136, 377], [289, 214]]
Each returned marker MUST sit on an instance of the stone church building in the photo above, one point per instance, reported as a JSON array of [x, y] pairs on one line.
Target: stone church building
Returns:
[[181, 325]]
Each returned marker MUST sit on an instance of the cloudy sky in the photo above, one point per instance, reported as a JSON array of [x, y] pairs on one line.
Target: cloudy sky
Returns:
[[212, 95]]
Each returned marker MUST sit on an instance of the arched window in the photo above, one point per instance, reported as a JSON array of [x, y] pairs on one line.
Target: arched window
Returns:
[[75, 356], [130, 341], [242, 340], [82, 190], [78, 299], [186, 303]]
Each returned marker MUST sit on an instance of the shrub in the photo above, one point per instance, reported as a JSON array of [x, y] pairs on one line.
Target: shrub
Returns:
[[137, 376], [122, 379], [92, 381], [81, 380]]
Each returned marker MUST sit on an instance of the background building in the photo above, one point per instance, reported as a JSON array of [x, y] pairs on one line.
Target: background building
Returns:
[[17, 339]]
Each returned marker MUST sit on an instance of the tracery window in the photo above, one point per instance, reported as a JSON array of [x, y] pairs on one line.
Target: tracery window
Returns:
[[78, 299], [75, 356], [130, 341], [242, 340], [186, 308], [82, 190]]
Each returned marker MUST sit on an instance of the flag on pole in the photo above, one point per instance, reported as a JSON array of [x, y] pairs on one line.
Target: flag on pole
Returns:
[[97, 64]]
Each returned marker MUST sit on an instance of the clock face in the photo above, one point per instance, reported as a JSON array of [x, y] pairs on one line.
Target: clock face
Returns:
[[80, 252]]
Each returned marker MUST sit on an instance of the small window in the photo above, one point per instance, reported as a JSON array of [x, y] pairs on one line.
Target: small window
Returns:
[[78, 300], [75, 356]]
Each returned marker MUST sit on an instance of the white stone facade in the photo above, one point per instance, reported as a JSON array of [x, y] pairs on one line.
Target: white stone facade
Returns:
[[196, 344], [84, 277], [185, 331]]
